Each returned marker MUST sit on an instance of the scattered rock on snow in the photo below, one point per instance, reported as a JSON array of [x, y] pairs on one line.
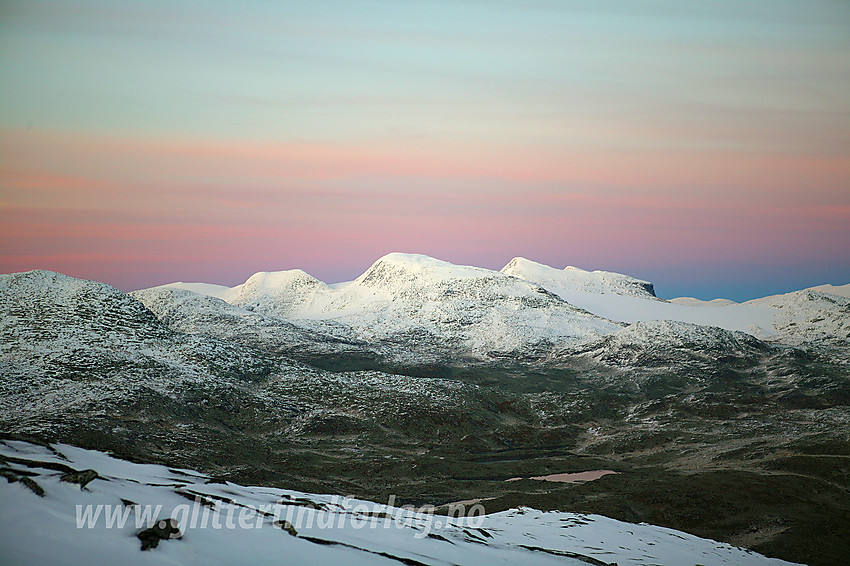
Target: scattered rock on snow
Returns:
[[33, 487], [83, 477], [164, 529]]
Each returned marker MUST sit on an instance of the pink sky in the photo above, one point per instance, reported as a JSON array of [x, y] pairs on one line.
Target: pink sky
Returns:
[[144, 212], [703, 146]]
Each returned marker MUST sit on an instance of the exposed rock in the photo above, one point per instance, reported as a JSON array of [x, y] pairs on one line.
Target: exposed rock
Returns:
[[164, 529], [33, 487], [286, 526], [83, 477]]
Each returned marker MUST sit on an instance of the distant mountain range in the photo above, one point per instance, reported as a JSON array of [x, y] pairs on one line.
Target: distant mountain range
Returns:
[[525, 305]]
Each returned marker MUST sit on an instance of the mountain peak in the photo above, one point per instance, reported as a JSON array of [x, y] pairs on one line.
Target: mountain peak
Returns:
[[522, 264], [840, 290], [273, 280], [275, 292], [40, 275], [44, 282], [397, 267], [417, 262], [571, 278]]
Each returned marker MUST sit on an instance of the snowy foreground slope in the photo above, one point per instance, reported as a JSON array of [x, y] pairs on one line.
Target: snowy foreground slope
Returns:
[[48, 510]]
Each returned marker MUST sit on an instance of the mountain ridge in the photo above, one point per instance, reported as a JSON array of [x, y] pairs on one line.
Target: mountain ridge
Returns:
[[372, 303]]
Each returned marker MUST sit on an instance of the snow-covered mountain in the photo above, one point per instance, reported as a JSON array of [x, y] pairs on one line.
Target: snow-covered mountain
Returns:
[[794, 318], [422, 301], [68, 346], [61, 308], [648, 343], [403, 307], [575, 280], [193, 313], [418, 300], [807, 316], [839, 290], [280, 293], [89, 508]]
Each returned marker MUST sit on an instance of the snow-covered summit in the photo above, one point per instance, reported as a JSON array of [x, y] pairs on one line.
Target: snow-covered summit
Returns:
[[808, 316], [53, 305], [31, 285], [574, 278], [399, 268], [280, 293], [404, 295], [840, 290], [793, 318], [277, 293], [270, 282]]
